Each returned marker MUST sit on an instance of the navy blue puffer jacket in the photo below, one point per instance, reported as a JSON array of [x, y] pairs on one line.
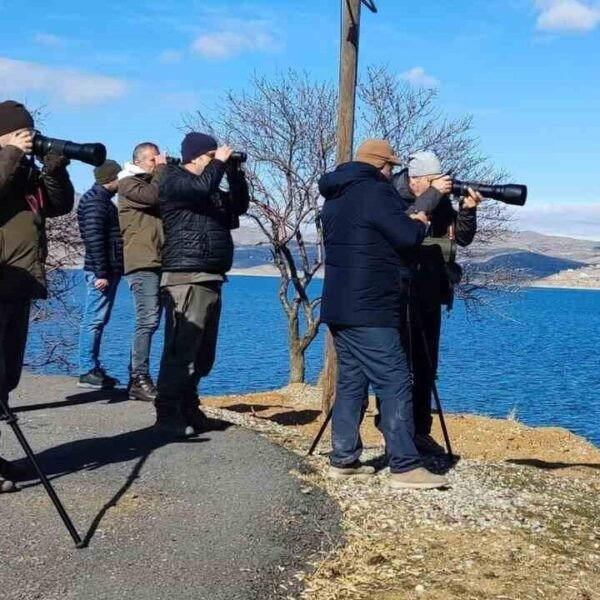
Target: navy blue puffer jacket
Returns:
[[368, 238], [99, 228]]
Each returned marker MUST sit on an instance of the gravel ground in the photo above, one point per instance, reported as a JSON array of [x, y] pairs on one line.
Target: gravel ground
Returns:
[[217, 517], [503, 530]]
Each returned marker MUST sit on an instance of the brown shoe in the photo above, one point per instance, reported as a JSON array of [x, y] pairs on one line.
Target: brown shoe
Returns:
[[355, 469], [427, 446], [418, 479]]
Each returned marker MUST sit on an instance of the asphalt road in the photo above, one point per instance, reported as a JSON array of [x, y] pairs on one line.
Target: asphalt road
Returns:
[[218, 517]]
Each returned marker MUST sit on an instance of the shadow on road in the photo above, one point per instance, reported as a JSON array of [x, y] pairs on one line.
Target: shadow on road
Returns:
[[542, 464], [108, 396]]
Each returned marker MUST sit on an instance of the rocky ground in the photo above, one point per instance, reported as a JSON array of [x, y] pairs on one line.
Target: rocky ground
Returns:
[[520, 521]]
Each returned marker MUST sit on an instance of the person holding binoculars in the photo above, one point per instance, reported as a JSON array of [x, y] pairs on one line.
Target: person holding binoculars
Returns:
[[28, 196], [198, 251]]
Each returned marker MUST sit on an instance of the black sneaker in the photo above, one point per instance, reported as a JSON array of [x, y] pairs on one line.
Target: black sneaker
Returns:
[[97, 379], [7, 486], [141, 388], [172, 426]]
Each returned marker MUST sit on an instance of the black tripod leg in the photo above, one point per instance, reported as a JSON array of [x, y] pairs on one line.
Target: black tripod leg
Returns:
[[320, 434], [12, 420], [438, 402]]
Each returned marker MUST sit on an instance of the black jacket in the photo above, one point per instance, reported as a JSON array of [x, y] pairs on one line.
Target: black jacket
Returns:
[[99, 228], [367, 235], [431, 281], [198, 217]]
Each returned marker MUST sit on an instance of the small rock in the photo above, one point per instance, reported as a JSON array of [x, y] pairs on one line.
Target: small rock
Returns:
[[420, 589]]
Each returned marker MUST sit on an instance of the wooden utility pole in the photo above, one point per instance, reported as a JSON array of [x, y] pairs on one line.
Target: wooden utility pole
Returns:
[[350, 33]]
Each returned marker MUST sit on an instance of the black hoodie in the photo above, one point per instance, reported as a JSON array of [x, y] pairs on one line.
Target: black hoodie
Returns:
[[368, 236]]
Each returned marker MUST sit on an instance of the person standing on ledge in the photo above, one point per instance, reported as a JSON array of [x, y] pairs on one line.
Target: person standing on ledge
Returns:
[[103, 266], [198, 218], [142, 232], [368, 241]]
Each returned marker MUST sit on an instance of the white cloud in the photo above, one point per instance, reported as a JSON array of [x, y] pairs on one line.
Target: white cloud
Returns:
[[417, 76], [170, 57], [568, 15], [66, 85], [49, 40], [571, 220], [235, 39]]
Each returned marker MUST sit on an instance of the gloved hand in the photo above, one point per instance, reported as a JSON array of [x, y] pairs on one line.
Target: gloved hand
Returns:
[[53, 162]]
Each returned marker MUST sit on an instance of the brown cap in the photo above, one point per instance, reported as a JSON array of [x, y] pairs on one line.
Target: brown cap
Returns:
[[377, 153], [14, 116]]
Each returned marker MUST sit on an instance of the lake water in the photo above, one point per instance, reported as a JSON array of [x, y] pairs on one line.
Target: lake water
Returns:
[[536, 353]]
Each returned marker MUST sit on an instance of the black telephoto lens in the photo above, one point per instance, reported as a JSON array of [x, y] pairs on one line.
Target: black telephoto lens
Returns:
[[511, 193], [92, 154]]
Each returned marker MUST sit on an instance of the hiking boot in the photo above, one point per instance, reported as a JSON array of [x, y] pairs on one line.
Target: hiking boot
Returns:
[[418, 479], [427, 446], [172, 426], [355, 469], [11, 472], [97, 379], [7, 486], [142, 388]]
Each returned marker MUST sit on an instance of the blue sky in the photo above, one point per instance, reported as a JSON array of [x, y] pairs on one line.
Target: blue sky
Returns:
[[123, 72]]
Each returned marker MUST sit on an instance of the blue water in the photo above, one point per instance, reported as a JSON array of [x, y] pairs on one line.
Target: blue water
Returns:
[[536, 353]]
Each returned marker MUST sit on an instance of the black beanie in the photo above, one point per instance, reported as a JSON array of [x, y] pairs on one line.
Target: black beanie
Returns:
[[107, 172], [14, 116], [195, 145]]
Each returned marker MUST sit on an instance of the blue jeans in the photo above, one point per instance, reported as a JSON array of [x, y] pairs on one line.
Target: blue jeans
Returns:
[[98, 306], [373, 355], [145, 287]]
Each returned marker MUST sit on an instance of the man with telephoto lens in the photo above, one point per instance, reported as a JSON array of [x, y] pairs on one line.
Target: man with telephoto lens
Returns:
[[198, 251], [141, 227], [424, 187], [28, 197], [368, 242]]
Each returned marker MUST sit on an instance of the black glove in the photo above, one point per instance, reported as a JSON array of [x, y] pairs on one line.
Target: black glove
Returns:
[[54, 162]]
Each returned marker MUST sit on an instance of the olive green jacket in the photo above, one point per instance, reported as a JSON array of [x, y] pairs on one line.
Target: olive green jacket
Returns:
[[139, 219], [23, 245]]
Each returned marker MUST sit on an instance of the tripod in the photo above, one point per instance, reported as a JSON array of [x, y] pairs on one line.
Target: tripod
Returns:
[[11, 419], [432, 376]]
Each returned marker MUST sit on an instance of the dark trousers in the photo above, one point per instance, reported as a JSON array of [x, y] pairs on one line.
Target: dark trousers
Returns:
[[14, 324], [375, 356], [145, 287], [192, 313], [425, 319]]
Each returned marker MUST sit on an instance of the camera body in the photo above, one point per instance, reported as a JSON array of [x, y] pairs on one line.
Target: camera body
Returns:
[[92, 154]]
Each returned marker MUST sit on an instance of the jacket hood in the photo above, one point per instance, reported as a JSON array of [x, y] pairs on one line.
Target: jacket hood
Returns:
[[129, 170], [400, 181], [335, 183]]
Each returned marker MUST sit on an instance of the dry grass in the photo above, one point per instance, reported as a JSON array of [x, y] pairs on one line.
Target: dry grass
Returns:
[[521, 521]]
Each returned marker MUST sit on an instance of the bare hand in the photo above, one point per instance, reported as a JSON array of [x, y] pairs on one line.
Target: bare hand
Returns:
[[224, 153], [443, 184], [160, 159], [22, 139], [420, 216], [101, 284], [473, 200]]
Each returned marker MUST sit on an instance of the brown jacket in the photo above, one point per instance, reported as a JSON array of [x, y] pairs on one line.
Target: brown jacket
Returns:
[[139, 219], [23, 247]]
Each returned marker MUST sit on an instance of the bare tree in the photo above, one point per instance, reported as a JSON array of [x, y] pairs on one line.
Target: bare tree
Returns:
[[57, 318], [287, 126], [412, 120]]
